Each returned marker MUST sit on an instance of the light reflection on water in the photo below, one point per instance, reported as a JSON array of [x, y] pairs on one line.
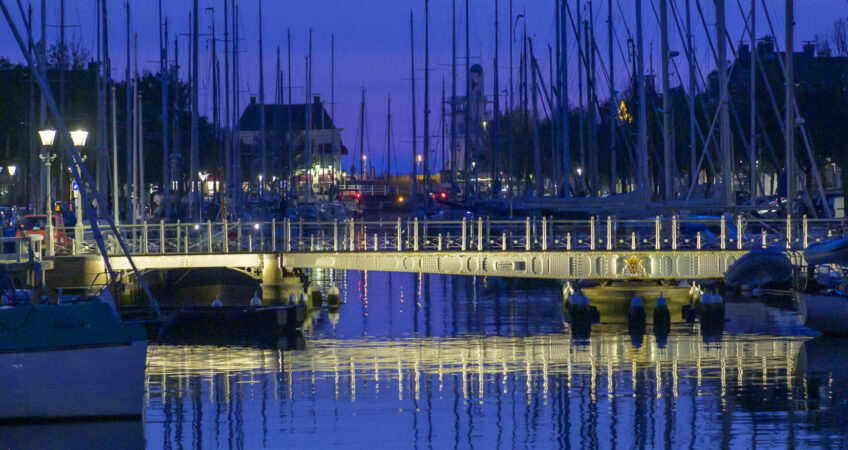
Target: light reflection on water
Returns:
[[440, 362]]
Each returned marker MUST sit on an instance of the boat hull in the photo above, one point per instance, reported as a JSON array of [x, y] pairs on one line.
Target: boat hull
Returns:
[[80, 383], [824, 313]]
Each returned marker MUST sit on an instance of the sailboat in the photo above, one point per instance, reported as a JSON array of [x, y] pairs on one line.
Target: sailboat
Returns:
[[69, 357]]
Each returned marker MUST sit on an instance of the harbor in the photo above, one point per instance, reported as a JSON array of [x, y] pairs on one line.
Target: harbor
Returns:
[[588, 223]]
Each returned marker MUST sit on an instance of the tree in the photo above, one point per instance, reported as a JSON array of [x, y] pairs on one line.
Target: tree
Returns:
[[75, 55], [839, 37]]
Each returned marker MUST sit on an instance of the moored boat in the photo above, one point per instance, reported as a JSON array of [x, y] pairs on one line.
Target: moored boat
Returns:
[[825, 311], [70, 361]]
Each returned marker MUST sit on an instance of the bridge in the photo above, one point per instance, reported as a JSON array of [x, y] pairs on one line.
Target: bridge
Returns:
[[662, 248]]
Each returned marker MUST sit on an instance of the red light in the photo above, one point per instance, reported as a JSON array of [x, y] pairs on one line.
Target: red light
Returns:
[[358, 195], [444, 196]]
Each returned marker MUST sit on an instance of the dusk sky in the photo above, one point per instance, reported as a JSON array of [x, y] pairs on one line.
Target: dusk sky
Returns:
[[373, 48]]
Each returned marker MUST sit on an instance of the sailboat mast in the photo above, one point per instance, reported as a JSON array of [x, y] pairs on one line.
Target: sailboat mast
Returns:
[[228, 155], [263, 166], [426, 149], [537, 152], [389, 137], [414, 195], [130, 128], [613, 103], [666, 103], [790, 106], [362, 169], [467, 115], [194, 201], [566, 155], [496, 120], [308, 107], [453, 102], [642, 153], [163, 74], [752, 154]]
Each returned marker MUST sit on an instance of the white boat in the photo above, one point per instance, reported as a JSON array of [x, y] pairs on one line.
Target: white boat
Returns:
[[70, 361], [825, 312]]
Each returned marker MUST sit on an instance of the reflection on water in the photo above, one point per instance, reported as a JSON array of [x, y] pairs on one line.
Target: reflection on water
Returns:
[[117, 435], [457, 362]]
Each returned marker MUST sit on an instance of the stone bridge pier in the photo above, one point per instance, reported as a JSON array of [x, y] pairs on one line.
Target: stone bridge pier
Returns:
[[277, 283]]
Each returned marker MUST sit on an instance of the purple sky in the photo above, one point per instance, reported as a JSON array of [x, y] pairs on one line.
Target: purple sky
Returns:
[[372, 47]]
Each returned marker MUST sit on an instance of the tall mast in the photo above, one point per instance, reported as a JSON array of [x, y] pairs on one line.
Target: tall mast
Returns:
[[790, 106], [414, 195], [62, 53], [613, 103], [642, 147], [216, 82], [496, 119], [426, 149], [333, 105], [592, 99], [566, 153], [289, 153], [136, 192], [690, 59], [581, 66], [194, 201], [228, 156], [129, 161], [363, 172], [510, 108], [176, 155], [453, 102], [442, 130], [163, 75], [666, 102], [726, 151], [308, 122], [389, 137], [263, 166], [237, 160], [752, 153], [467, 152], [537, 153]]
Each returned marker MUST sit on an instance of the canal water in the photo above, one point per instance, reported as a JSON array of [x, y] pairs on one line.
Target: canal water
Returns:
[[427, 361]]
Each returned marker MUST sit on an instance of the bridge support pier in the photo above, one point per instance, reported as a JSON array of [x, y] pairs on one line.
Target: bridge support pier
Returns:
[[277, 283]]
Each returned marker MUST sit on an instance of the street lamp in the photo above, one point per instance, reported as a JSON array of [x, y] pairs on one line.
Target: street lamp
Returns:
[[78, 137], [47, 136], [12, 170]]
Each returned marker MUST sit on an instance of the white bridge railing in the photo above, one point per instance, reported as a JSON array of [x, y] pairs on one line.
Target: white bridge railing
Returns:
[[479, 234]]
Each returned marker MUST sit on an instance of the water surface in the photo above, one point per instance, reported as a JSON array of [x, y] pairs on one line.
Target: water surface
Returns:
[[432, 361]]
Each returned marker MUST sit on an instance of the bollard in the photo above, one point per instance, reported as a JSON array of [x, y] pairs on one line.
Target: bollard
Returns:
[[333, 297]]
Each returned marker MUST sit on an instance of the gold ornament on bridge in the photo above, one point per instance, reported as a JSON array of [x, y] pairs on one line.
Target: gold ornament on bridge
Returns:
[[634, 266]]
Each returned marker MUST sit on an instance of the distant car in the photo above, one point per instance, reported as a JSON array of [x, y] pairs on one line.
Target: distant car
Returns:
[[36, 224]]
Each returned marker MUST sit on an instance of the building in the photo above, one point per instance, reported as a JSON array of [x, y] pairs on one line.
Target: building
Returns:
[[475, 106], [286, 142]]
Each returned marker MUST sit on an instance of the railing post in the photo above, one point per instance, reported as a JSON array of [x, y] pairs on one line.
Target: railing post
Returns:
[[49, 234], [274, 235], [352, 233], [609, 233], [527, 237], [287, 235], [238, 235], [657, 233], [739, 234], [415, 236], [300, 234], [179, 247], [464, 233], [592, 233], [144, 240], [186, 240], [399, 235], [789, 232], [376, 243], [568, 240], [335, 235], [225, 240], [765, 239], [632, 240], [440, 242], [503, 241], [674, 232], [78, 237], [544, 233], [723, 232], [698, 241], [806, 235], [208, 235], [162, 236], [479, 234]]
